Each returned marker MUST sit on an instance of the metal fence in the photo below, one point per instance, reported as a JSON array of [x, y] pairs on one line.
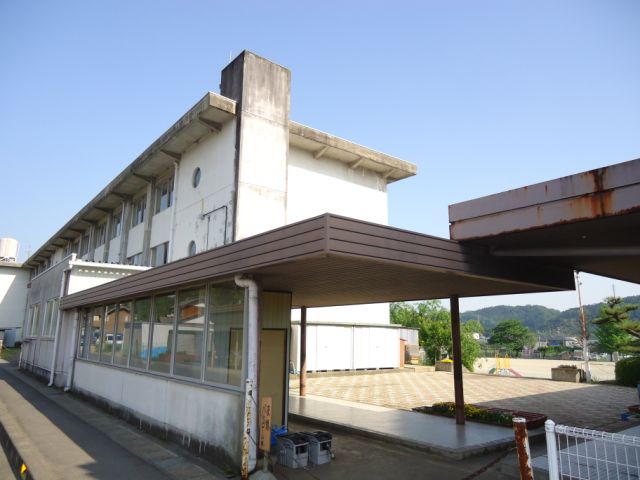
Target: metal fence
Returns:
[[579, 453]]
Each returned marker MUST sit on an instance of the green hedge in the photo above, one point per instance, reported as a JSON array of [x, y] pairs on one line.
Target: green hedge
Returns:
[[628, 371]]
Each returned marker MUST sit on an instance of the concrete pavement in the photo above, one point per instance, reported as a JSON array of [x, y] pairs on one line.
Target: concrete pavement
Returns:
[[59, 436], [594, 406]]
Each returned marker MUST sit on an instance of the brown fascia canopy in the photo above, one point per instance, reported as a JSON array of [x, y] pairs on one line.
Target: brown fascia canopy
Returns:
[[589, 221], [333, 260]]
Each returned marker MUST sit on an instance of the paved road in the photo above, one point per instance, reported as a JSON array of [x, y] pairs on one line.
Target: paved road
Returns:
[[60, 436], [590, 406], [5, 469]]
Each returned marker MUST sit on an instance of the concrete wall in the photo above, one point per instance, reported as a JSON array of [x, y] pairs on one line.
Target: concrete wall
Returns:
[[135, 239], [317, 186], [262, 90], [205, 212], [198, 413], [13, 296]]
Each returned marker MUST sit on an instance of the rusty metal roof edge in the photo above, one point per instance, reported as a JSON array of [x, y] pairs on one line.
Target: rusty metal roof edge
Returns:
[[602, 179]]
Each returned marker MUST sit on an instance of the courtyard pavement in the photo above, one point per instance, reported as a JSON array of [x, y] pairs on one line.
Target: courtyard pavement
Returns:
[[596, 406]]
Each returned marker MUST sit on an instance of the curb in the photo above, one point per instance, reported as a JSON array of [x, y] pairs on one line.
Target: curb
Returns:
[[457, 454]]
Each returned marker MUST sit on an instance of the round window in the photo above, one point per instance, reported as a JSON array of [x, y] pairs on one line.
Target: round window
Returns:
[[192, 248], [195, 180]]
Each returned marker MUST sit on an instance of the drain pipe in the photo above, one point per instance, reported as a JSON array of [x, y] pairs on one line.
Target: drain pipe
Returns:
[[72, 350], [250, 426], [64, 285]]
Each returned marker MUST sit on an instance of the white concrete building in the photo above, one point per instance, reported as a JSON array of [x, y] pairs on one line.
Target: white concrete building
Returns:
[[13, 291], [232, 167]]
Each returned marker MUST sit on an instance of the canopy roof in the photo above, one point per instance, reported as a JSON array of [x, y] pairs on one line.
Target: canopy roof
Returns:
[[332, 260], [589, 221]]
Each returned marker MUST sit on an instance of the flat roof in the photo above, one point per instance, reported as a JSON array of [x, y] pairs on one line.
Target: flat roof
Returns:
[[332, 260], [589, 221]]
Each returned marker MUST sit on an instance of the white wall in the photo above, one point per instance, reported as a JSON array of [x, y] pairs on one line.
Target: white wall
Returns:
[[160, 227], [347, 347], [135, 240], [13, 296], [317, 186], [114, 250], [215, 157], [98, 254]]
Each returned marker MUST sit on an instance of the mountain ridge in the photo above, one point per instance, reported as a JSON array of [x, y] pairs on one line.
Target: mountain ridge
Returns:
[[542, 320]]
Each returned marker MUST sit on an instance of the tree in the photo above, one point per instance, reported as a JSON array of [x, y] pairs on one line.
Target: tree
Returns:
[[434, 322], [611, 339], [616, 330], [511, 335], [615, 312]]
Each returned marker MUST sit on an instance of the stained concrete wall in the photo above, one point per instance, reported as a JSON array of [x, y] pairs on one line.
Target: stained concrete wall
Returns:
[[197, 413], [262, 90], [204, 213]]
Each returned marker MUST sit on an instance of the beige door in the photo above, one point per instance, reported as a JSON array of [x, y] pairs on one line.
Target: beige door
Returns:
[[273, 354]]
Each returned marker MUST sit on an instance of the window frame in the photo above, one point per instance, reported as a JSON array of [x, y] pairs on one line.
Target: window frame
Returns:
[[139, 207]]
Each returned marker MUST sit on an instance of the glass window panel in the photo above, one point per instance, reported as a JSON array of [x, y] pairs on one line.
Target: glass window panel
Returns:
[[108, 334], [190, 332], [83, 335], [225, 334], [140, 333], [95, 339], [122, 339], [162, 333]]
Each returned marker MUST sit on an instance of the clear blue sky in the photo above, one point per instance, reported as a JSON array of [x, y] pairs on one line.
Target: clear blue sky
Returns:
[[483, 96]]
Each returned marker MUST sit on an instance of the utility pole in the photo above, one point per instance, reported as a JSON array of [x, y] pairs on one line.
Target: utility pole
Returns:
[[583, 321]]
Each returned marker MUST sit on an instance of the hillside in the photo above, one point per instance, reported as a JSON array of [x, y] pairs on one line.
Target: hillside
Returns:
[[542, 320]]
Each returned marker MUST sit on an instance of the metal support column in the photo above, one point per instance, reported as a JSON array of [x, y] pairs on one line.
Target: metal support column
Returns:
[[457, 359], [303, 351]]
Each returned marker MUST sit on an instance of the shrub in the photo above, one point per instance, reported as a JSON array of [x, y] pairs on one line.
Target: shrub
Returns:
[[628, 371]]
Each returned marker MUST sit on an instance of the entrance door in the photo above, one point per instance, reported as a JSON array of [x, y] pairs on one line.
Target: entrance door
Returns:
[[273, 358]]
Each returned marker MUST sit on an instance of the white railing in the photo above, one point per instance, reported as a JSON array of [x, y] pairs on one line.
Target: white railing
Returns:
[[579, 453]]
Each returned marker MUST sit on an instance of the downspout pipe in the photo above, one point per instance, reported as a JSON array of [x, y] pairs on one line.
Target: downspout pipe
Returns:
[[56, 341], [250, 426]]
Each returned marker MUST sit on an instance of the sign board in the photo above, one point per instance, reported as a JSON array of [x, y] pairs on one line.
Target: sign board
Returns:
[[265, 424]]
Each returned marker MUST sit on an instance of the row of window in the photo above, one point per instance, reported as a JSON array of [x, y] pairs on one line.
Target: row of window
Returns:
[[163, 200], [45, 327], [195, 333]]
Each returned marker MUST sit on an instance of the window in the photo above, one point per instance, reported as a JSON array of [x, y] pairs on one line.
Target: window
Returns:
[[225, 334], [83, 337], [35, 320], [162, 333], [192, 248], [116, 225], [76, 246], [159, 254], [164, 195], [122, 338], [139, 206], [95, 331], [101, 234], [195, 179], [50, 315], [135, 259], [188, 357], [140, 333], [108, 334]]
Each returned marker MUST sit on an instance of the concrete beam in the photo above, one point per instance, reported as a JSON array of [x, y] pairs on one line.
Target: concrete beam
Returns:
[[213, 126], [319, 153], [173, 155]]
